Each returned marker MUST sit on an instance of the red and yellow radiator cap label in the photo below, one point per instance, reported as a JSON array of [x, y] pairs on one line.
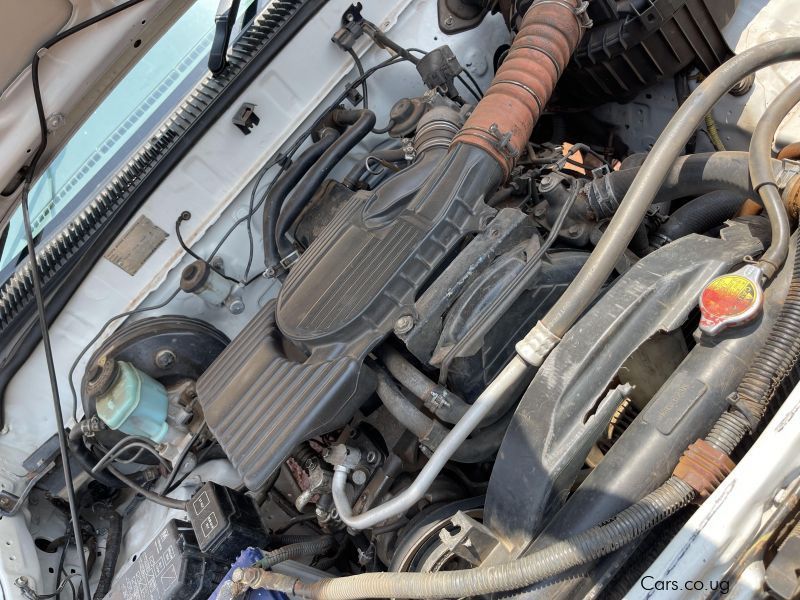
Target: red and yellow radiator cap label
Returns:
[[730, 300]]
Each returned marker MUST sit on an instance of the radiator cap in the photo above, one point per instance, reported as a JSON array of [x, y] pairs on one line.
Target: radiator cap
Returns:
[[731, 299]]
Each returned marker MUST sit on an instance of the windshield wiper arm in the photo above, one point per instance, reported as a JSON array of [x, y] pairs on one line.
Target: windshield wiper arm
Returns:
[[225, 19]]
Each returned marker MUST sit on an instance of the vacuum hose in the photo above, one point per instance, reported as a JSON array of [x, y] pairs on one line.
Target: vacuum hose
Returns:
[[284, 185], [360, 123]]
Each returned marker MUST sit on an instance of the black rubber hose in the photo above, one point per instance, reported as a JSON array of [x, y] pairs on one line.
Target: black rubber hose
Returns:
[[284, 185], [770, 367], [113, 546], [360, 124], [311, 547], [148, 495], [561, 556], [446, 405], [480, 447], [763, 178], [389, 155], [689, 176], [409, 416], [86, 461], [699, 215]]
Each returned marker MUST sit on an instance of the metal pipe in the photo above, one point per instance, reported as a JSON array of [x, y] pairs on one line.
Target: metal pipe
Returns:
[[625, 222], [506, 381], [764, 180]]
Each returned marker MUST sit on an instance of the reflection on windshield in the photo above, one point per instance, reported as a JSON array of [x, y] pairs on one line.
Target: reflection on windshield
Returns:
[[147, 94]]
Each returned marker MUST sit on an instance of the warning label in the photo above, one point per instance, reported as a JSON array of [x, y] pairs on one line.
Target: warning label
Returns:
[[155, 573]]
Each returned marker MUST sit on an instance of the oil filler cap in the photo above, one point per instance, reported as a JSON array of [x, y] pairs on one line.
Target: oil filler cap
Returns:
[[731, 299]]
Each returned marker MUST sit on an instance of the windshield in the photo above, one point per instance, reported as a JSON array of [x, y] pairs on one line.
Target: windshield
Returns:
[[133, 109]]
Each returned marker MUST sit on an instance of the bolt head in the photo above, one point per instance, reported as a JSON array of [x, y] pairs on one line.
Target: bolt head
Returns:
[[449, 21], [55, 121], [359, 477], [404, 324], [236, 306], [165, 358]]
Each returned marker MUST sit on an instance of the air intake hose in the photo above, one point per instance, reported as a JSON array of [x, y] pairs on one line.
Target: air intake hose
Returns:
[[503, 120]]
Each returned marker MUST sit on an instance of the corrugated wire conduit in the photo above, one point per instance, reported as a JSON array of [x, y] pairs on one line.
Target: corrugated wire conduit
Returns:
[[707, 457]]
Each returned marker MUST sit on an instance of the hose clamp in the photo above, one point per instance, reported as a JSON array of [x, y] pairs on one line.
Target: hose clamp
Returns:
[[580, 11], [535, 346], [748, 409]]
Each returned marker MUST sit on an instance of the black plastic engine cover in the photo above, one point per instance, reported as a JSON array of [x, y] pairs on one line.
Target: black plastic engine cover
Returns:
[[260, 405], [366, 269], [340, 300]]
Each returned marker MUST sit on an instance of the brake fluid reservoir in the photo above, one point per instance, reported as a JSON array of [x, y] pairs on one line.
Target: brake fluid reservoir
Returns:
[[129, 400]]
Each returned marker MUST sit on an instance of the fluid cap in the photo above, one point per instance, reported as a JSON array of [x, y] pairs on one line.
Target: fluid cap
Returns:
[[731, 299]]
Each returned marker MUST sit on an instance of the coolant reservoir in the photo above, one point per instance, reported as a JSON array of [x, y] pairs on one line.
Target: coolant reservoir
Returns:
[[128, 400]]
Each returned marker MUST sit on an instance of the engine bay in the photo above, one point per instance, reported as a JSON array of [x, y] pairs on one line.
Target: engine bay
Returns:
[[493, 308]]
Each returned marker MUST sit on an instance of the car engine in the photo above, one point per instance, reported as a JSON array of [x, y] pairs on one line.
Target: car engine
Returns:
[[506, 342]]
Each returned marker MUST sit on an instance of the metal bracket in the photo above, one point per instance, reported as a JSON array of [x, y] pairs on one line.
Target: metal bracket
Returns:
[[470, 540], [352, 27], [10, 504], [289, 260], [503, 143]]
